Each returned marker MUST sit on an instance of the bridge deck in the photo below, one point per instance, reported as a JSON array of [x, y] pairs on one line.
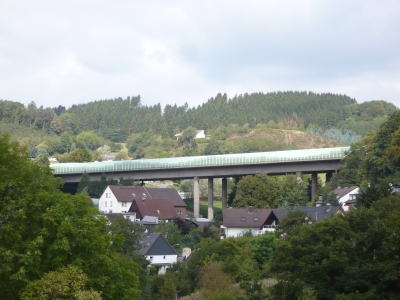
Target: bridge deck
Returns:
[[202, 161]]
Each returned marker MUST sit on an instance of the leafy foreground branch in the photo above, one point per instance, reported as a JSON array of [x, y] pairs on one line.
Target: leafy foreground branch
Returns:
[[43, 230]]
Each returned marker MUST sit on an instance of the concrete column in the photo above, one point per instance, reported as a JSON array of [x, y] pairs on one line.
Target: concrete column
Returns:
[[313, 184], [224, 192], [328, 176], [299, 175], [196, 197], [210, 215]]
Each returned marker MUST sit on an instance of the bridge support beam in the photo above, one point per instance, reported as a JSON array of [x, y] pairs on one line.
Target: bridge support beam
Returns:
[[210, 215], [299, 176], [328, 176], [196, 197], [314, 176], [224, 192]]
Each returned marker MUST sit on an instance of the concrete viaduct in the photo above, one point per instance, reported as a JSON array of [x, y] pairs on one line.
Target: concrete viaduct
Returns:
[[306, 161]]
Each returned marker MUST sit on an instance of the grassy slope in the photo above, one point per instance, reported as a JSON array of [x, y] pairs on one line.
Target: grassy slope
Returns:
[[203, 206]]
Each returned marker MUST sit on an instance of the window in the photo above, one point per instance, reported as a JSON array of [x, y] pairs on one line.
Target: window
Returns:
[[110, 211], [105, 203], [158, 211], [255, 219], [243, 219], [124, 204], [164, 256], [110, 203], [151, 257], [179, 212]]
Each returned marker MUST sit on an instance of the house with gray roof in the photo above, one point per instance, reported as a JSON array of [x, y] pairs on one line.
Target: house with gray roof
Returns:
[[238, 221], [158, 251]]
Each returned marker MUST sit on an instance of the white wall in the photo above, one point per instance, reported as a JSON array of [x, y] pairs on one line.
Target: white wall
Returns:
[[113, 206], [200, 135], [347, 197], [162, 259]]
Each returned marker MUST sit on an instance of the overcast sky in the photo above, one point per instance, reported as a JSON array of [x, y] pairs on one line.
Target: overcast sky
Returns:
[[70, 52]]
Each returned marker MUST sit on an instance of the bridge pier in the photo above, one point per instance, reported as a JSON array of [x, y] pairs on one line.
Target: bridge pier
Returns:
[[314, 178], [210, 215], [224, 192], [299, 176], [196, 197]]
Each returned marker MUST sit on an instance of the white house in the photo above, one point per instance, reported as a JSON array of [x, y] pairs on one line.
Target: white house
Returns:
[[346, 195], [118, 199], [238, 221], [199, 134], [158, 251]]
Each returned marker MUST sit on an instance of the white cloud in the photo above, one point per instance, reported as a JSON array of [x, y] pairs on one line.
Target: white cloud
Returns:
[[181, 51]]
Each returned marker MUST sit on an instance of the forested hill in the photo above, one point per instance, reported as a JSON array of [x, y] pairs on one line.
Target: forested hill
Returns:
[[116, 119], [288, 109], [301, 108]]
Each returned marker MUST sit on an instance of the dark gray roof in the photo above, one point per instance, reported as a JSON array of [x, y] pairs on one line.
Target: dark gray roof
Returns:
[[245, 217], [280, 214], [321, 212], [167, 193], [156, 244]]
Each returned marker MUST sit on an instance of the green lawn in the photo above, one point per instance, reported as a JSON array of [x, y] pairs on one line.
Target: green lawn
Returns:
[[204, 206]]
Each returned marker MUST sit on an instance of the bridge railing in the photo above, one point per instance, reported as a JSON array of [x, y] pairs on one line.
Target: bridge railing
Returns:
[[202, 161]]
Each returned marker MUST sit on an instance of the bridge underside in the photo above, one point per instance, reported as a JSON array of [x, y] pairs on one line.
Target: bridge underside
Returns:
[[281, 168]]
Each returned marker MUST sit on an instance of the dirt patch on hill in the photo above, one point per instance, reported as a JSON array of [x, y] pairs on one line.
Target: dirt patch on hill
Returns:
[[294, 139]]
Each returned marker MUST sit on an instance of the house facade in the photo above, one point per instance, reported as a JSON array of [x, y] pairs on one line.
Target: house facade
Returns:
[[158, 251], [346, 195], [118, 198]]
